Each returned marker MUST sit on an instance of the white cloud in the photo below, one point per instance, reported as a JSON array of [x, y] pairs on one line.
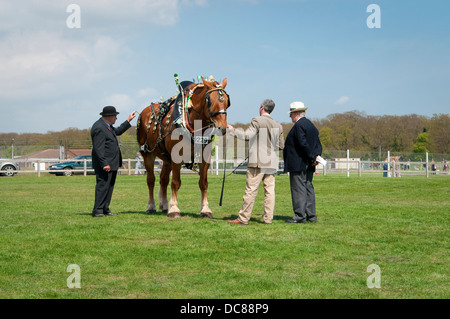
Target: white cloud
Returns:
[[120, 101], [136, 101], [51, 13], [200, 3], [39, 55], [254, 2], [45, 63], [48, 71], [159, 12], [342, 100], [147, 93]]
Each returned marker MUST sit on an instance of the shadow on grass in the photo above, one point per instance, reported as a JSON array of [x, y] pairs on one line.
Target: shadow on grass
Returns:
[[120, 213], [255, 219], [141, 213], [162, 213]]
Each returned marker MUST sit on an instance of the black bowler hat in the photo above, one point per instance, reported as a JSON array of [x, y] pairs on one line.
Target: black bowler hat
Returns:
[[108, 111]]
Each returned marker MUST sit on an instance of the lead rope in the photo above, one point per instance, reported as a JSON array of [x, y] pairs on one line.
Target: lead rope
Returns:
[[236, 168], [224, 170]]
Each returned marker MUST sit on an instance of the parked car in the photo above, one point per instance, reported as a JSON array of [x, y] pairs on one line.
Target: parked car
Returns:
[[7, 167], [158, 165], [75, 166], [242, 169]]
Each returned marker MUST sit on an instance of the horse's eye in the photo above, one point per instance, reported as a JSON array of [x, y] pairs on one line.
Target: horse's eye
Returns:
[[221, 96]]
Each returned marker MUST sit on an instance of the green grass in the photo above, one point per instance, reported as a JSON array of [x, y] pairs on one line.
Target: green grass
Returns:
[[400, 224]]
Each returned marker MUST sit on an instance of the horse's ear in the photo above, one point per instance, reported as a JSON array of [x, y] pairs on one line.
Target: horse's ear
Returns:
[[224, 83], [204, 81]]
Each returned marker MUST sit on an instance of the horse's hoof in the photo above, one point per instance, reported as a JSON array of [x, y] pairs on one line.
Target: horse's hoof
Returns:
[[174, 215], [150, 212], [209, 215], [165, 211]]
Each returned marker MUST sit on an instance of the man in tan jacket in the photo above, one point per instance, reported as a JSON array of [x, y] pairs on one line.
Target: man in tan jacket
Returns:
[[265, 137]]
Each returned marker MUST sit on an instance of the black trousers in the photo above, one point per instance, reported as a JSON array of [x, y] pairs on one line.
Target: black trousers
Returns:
[[303, 196], [103, 191]]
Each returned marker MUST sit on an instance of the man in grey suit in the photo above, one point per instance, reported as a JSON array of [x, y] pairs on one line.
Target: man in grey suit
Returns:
[[106, 157], [300, 160], [265, 137]]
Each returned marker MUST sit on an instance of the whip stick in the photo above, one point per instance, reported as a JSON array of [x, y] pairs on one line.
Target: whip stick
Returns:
[[224, 169]]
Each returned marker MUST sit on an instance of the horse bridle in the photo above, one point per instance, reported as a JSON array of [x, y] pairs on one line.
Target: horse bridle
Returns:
[[222, 94]]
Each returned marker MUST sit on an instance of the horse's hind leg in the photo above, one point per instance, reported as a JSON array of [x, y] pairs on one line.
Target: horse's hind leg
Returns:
[[174, 211], [149, 162], [163, 183]]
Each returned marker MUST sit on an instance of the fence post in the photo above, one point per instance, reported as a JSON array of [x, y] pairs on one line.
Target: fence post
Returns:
[[426, 165], [129, 166], [85, 167], [393, 169], [217, 159], [359, 168], [38, 168], [389, 164], [348, 163]]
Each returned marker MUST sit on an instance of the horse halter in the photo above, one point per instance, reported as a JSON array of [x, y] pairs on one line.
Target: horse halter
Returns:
[[221, 92]]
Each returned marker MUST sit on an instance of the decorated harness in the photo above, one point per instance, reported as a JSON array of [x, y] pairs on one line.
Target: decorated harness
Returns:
[[182, 105]]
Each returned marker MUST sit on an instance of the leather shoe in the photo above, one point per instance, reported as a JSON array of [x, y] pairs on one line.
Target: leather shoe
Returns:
[[296, 221], [235, 221], [109, 214], [98, 215]]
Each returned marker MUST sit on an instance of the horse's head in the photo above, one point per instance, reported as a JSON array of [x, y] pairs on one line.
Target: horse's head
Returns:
[[216, 102]]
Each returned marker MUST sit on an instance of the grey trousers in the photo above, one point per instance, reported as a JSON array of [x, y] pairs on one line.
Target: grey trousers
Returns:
[[103, 191], [303, 196]]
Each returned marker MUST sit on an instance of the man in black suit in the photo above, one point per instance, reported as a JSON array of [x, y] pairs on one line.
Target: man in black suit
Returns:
[[300, 153], [106, 157]]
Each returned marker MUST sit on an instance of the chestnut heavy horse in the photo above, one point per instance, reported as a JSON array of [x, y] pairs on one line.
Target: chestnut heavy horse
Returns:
[[179, 131]]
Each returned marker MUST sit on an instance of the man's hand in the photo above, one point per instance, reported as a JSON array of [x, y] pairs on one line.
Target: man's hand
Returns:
[[132, 116], [230, 130], [107, 168]]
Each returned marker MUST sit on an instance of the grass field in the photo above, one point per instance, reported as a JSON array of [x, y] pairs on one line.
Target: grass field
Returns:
[[401, 225]]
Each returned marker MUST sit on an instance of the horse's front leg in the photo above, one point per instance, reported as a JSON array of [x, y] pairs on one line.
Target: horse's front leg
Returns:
[[149, 160], [174, 211], [203, 184], [164, 179]]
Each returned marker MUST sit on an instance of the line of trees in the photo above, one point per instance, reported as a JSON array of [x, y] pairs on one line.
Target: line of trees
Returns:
[[360, 132], [407, 133], [341, 131]]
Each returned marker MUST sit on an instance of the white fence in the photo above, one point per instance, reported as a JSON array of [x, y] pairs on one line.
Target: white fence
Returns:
[[349, 167]]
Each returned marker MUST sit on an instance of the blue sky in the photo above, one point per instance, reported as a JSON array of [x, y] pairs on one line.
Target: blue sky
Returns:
[[320, 52]]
